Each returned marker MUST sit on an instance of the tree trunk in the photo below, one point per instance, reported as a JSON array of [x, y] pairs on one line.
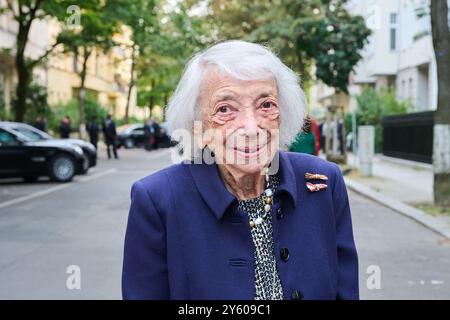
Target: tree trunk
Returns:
[[131, 85], [23, 73], [441, 139], [151, 99], [166, 102], [151, 103], [82, 94]]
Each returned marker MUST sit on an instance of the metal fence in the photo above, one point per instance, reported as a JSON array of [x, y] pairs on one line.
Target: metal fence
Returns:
[[409, 136]]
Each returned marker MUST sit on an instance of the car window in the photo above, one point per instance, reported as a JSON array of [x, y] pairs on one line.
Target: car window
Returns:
[[7, 139], [138, 130], [31, 135]]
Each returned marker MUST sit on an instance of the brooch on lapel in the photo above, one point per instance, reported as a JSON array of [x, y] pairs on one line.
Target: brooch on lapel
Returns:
[[315, 176], [315, 186]]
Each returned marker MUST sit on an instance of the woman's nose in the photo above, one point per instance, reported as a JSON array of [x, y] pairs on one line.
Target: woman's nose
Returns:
[[249, 123]]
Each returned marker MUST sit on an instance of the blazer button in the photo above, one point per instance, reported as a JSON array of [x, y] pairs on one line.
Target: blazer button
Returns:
[[280, 214], [297, 295], [284, 254]]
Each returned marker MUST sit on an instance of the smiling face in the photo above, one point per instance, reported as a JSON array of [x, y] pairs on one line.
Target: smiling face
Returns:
[[241, 120]]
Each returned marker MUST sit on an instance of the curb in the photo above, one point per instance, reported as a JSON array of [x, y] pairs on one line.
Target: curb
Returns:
[[419, 216]]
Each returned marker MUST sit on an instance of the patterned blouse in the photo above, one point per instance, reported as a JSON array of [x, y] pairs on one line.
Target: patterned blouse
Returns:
[[267, 279]]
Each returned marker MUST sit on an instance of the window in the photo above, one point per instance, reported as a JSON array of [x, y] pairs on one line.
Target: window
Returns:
[[7, 139], [393, 31], [33, 136]]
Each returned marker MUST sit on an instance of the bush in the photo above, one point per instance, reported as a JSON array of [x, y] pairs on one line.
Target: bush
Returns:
[[3, 113], [120, 122], [36, 103], [92, 108], [372, 106]]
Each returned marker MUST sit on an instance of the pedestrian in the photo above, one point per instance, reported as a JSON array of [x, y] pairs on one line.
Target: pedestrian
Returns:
[[240, 219], [40, 124], [316, 132], [323, 134], [149, 132], [64, 128], [304, 141], [93, 131], [156, 135], [341, 136], [110, 134]]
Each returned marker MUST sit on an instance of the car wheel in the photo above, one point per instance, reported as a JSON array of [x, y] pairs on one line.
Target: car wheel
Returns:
[[129, 143], [62, 168], [86, 164]]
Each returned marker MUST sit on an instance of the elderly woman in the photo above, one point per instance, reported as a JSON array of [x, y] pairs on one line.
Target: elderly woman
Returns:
[[241, 219]]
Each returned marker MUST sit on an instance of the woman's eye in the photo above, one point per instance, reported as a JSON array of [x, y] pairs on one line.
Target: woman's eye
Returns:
[[267, 105], [224, 109]]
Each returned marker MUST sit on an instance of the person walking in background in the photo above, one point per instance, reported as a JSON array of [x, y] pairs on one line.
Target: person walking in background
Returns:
[[323, 134], [305, 141], [316, 132], [40, 124], [156, 134], [109, 131], [93, 130], [149, 130], [64, 128]]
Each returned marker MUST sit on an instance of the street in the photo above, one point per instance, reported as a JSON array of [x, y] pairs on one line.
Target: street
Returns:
[[47, 227]]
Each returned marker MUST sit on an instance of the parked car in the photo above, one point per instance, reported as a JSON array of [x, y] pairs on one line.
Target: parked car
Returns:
[[35, 134], [133, 135], [130, 135], [20, 156]]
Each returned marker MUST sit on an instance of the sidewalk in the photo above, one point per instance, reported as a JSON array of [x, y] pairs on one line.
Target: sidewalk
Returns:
[[400, 185], [407, 181]]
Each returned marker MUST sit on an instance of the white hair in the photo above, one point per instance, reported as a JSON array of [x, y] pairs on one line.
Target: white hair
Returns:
[[241, 60]]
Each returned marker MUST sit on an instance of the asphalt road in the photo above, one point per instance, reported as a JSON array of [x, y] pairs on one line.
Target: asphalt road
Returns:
[[46, 227]]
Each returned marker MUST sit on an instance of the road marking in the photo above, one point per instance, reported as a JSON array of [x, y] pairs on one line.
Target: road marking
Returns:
[[56, 188]]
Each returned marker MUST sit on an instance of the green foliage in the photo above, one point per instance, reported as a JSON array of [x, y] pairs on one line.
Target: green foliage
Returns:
[[36, 103], [120, 122], [302, 32], [93, 108], [170, 43], [372, 106], [97, 26], [25, 13], [3, 113]]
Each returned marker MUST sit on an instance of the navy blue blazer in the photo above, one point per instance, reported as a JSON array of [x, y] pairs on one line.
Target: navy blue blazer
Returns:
[[186, 238]]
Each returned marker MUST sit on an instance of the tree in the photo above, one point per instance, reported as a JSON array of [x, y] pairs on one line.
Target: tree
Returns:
[[441, 147], [302, 32], [94, 34], [159, 66], [25, 13], [141, 17]]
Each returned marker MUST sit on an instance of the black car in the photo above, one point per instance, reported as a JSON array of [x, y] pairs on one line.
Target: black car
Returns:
[[130, 135], [133, 135], [35, 134], [20, 156]]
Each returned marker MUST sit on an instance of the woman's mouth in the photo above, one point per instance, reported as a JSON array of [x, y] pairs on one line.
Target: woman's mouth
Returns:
[[250, 151]]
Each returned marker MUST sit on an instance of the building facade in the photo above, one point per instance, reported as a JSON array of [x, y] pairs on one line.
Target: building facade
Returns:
[[399, 55], [108, 74]]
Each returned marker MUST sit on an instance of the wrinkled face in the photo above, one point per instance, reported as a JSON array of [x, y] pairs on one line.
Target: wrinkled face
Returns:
[[240, 121]]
